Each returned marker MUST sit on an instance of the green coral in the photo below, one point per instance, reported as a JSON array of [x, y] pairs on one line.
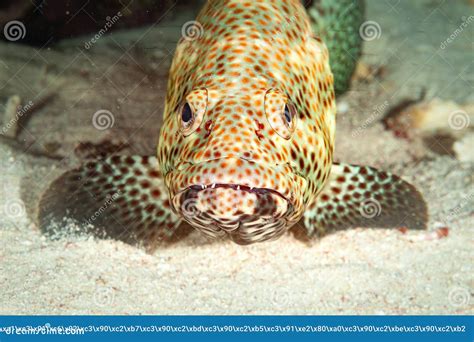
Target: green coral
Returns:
[[337, 22]]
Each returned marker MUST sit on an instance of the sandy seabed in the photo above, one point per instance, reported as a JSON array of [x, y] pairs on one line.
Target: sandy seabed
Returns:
[[358, 271]]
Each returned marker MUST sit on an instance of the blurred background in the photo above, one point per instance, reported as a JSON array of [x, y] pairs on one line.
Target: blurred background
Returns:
[[52, 20]]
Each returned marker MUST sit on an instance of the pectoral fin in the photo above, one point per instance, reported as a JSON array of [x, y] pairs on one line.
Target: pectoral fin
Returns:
[[361, 196], [120, 197]]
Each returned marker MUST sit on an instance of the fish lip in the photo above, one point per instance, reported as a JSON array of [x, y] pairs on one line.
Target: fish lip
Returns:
[[182, 165], [242, 227], [238, 227], [234, 186]]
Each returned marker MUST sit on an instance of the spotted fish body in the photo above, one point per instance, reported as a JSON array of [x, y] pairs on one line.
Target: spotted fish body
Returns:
[[246, 146], [252, 60]]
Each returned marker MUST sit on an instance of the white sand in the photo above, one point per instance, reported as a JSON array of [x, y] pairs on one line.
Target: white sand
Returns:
[[360, 271]]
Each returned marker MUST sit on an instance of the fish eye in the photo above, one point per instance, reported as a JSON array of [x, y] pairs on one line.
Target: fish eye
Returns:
[[186, 113], [192, 111], [281, 113], [288, 116]]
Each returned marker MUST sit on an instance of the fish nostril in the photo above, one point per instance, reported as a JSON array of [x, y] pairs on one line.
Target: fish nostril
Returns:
[[208, 127], [259, 134], [247, 155], [259, 130]]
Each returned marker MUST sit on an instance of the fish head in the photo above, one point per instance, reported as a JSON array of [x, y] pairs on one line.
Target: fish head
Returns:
[[230, 164]]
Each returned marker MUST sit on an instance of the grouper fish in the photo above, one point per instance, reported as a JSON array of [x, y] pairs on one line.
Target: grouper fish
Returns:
[[246, 146]]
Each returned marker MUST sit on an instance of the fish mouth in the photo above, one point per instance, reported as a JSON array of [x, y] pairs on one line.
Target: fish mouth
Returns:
[[245, 200], [237, 187], [234, 172]]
